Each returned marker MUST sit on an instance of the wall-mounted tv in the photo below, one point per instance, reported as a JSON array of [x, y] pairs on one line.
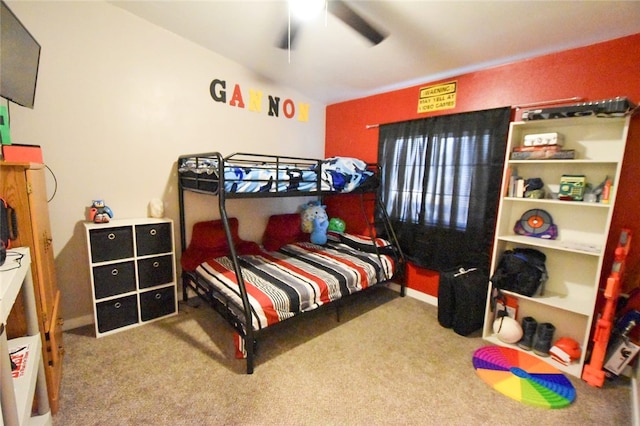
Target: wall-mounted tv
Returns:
[[19, 59]]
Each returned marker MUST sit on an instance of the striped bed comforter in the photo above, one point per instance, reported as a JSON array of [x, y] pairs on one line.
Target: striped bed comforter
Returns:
[[297, 278]]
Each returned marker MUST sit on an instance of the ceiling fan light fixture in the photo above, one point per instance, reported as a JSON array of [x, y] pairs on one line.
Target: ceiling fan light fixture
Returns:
[[305, 10]]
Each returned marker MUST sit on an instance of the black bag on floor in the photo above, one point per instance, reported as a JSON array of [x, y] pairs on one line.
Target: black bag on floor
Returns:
[[462, 295], [446, 300]]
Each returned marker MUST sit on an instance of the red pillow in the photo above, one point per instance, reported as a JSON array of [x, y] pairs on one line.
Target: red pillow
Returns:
[[211, 234], [282, 229], [209, 240]]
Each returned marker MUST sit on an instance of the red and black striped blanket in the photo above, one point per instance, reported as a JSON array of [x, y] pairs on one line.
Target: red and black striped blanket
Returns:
[[297, 278]]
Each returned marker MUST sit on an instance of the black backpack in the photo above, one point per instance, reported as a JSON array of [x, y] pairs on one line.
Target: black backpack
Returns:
[[522, 271]]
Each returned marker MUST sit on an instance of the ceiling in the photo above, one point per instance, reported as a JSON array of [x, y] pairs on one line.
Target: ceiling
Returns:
[[427, 40]]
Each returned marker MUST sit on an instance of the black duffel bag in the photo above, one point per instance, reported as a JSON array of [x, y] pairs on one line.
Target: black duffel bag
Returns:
[[522, 271]]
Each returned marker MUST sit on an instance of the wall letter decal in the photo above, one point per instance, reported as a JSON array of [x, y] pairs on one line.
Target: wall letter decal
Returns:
[[255, 100], [303, 112], [219, 95], [289, 108], [218, 91], [236, 98], [274, 105]]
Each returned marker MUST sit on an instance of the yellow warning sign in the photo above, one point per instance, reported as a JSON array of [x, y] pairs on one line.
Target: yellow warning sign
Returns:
[[438, 97]]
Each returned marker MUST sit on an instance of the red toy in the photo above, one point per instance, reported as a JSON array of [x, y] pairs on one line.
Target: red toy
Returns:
[[593, 373]]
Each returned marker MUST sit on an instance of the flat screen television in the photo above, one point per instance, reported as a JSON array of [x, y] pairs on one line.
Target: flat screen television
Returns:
[[19, 59]]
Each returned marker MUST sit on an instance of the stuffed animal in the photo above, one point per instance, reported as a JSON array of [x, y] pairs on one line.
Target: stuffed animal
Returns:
[[319, 233], [99, 212], [337, 225], [311, 211]]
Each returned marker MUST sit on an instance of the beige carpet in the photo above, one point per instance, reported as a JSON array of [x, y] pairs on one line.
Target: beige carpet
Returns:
[[387, 362]]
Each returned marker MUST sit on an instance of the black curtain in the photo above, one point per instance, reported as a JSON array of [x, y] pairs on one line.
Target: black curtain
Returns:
[[440, 185]]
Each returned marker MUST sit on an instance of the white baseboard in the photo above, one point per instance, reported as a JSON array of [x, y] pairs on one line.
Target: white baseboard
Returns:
[[416, 294], [70, 324]]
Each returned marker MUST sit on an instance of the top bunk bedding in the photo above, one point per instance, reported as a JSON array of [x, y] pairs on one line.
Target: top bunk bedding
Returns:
[[243, 174]]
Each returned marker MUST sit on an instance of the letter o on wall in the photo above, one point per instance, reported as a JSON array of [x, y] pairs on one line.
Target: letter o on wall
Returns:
[[289, 108]]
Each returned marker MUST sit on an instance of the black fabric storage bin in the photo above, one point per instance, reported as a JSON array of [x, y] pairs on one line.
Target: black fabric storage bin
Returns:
[[113, 279], [153, 239], [111, 243], [157, 303], [117, 313], [155, 271]]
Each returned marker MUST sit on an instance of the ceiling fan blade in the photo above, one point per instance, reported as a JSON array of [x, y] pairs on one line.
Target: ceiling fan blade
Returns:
[[286, 42], [342, 11]]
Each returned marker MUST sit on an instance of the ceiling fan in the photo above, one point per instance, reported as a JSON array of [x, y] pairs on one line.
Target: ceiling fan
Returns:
[[340, 10]]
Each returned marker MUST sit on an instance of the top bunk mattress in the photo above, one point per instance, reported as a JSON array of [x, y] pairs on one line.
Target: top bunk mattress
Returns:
[[268, 174]]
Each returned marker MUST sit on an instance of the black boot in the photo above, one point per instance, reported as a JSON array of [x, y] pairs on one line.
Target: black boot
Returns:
[[529, 326], [544, 337]]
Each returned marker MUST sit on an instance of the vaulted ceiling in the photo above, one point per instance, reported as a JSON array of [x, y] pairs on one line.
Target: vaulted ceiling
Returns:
[[427, 40]]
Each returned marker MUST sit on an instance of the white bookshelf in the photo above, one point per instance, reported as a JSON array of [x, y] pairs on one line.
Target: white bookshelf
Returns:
[[18, 393], [575, 258]]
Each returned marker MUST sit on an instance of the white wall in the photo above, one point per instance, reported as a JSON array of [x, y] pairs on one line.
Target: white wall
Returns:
[[118, 99]]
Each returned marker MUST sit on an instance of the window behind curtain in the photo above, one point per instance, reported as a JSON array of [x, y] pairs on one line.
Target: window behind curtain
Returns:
[[440, 185]]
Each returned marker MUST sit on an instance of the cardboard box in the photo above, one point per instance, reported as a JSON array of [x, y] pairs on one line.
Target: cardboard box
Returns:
[[543, 139], [621, 352]]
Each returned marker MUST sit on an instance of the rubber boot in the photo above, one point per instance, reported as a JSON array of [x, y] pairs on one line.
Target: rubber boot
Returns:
[[544, 337], [529, 326]]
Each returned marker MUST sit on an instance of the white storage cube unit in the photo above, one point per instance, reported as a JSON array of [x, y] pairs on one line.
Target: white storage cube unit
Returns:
[[132, 267]]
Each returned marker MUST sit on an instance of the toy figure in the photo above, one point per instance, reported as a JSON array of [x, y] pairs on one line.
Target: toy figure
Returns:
[[319, 233], [311, 211], [99, 212], [337, 225]]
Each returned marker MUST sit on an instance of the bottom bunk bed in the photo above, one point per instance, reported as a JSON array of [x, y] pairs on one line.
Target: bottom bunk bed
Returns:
[[285, 277]]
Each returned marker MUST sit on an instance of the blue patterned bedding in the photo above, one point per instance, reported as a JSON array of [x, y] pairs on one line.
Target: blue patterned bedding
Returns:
[[278, 174]]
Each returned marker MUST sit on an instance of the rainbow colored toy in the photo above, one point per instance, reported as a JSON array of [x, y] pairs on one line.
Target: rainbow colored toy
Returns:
[[523, 377]]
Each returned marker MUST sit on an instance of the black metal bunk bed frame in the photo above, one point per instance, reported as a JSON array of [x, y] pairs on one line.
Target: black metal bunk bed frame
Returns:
[[214, 184]]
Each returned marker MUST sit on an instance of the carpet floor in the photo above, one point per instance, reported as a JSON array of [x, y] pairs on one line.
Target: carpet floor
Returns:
[[387, 362]]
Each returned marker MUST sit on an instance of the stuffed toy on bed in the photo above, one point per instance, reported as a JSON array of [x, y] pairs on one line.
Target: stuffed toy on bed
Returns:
[[319, 233], [337, 225], [311, 211]]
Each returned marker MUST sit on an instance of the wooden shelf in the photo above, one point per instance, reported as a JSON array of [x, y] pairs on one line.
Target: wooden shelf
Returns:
[[574, 369]]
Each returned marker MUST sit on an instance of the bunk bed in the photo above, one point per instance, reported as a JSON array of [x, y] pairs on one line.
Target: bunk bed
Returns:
[[253, 286]]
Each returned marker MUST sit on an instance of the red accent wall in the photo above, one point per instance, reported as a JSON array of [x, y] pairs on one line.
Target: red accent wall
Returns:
[[600, 71]]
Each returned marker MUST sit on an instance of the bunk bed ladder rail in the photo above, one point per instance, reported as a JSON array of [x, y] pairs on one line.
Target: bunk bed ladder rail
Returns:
[[249, 338], [248, 326], [183, 222], [390, 233]]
